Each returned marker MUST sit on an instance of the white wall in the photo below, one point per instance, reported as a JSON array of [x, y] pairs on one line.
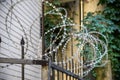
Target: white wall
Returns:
[[20, 18]]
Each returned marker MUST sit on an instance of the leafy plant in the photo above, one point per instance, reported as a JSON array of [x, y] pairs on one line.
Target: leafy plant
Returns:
[[53, 24], [107, 22], [98, 22], [112, 12]]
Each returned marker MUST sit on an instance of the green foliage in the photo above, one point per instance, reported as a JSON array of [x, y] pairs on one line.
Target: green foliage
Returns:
[[112, 9], [112, 12], [56, 2], [50, 22], [108, 23], [99, 23]]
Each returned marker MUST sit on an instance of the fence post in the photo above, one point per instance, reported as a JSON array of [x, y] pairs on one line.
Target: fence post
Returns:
[[104, 73], [49, 69], [22, 57]]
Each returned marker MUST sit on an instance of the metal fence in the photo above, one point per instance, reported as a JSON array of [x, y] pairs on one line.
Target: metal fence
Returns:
[[62, 52], [62, 71]]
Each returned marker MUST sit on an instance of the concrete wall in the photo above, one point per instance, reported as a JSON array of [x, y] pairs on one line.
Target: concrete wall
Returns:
[[104, 72], [91, 6]]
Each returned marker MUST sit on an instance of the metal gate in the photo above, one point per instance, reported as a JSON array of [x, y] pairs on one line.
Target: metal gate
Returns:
[[63, 71]]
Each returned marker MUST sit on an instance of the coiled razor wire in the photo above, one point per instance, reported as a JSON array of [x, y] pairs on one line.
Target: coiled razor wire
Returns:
[[85, 39]]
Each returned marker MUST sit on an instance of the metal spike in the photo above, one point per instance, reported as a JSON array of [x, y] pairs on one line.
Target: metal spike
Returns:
[[0, 40], [22, 41]]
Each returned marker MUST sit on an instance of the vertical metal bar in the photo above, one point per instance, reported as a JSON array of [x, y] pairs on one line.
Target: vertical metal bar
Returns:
[[53, 71], [43, 42], [76, 70], [72, 59], [79, 70], [66, 69], [22, 57], [62, 65], [57, 56], [82, 16], [72, 50], [62, 73], [0, 40], [0, 44], [57, 75], [69, 69], [49, 68], [83, 8], [81, 4], [41, 24]]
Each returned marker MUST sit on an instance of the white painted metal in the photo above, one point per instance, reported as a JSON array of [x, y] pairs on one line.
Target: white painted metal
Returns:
[[20, 18]]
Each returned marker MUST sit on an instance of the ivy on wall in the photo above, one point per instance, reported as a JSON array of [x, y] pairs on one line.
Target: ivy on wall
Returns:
[[98, 22], [112, 12]]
